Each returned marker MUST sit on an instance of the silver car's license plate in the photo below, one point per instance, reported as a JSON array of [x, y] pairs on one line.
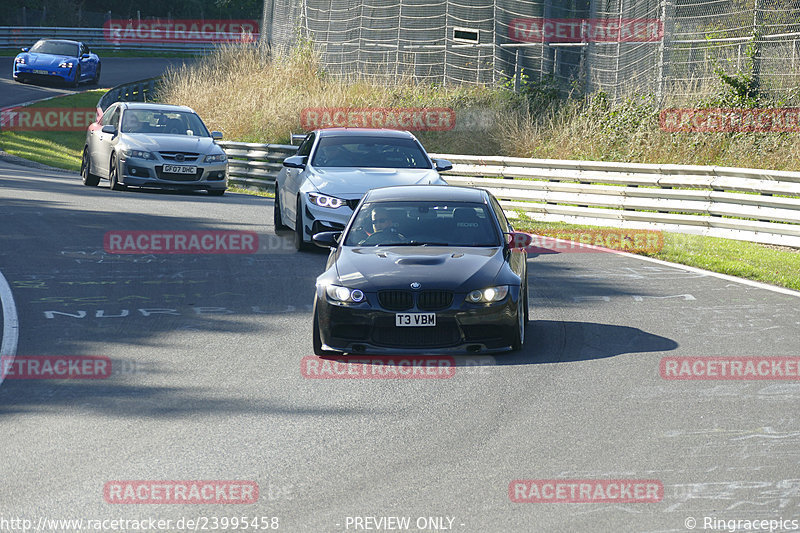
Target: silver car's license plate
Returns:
[[414, 319], [179, 169]]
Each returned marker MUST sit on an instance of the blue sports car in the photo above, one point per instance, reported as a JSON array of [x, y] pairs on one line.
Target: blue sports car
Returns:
[[58, 60]]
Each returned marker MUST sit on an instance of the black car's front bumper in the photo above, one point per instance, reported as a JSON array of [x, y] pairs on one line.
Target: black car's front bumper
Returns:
[[461, 328]]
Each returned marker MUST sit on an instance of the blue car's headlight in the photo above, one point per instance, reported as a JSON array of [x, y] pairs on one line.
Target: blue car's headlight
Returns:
[[487, 295], [65, 64], [343, 294], [19, 60], [141, 154], [216, 158], [323, 200]]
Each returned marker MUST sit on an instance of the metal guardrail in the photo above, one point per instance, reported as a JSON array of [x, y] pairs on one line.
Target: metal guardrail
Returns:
[[736, 203], [137, 91]]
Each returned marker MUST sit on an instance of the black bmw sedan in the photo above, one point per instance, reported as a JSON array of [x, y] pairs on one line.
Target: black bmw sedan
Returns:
[[430, 269]]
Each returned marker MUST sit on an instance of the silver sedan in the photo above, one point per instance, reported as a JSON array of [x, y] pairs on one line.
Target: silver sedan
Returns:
[[154, 145]]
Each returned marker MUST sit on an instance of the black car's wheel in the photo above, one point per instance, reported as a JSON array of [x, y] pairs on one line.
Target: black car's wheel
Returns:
[[216, 192], [96, 79], [89, 179], [317, 340], [113, 175], [299, 244], [519, 334], [77, 77], [277, 220], [527, 311]]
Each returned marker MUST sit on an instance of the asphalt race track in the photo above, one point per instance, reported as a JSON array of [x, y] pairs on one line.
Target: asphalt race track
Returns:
[[206, 384]]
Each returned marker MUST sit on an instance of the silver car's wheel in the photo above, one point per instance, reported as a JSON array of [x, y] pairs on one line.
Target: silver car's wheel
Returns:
[[88, 178], [113, 175], [277, 218], [299, 244]]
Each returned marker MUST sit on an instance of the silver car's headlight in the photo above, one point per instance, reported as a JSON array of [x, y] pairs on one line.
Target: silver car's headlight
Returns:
[[343, 294], [487, 295], [140, 154], [65, 64], [216, 158], [323, 200]]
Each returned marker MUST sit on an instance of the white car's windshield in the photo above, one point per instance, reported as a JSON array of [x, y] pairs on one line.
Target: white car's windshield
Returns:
[[416, 223], [369, 151], [154, 121], [56, 48]]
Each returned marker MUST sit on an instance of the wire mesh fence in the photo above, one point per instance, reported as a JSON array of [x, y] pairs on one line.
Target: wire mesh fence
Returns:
[[681, 45]]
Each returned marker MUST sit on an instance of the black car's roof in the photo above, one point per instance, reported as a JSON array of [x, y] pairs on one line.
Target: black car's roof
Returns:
[[339, 132], [433, 193]]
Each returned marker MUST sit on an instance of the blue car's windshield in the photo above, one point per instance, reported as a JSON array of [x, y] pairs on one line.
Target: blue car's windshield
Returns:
[[416, 223], [370, 152], [164, 122], [56, 48]]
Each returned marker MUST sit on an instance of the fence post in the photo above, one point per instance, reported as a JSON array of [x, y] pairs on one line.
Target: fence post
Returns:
[[758, 23], [517, 71]]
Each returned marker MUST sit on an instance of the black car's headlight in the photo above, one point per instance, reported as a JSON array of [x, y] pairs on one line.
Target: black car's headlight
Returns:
[[65, 64], [216, 158], [19, 60], [140, 154], [323, 200], [488, 295], [343, 294]]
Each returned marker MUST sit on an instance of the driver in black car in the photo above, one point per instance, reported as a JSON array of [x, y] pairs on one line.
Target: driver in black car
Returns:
[[384, 229]]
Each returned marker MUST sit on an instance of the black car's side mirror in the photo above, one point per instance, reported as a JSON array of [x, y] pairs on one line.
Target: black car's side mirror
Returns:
[[109, 128], [295, 161], [442, 165], [517, 239], [327, 239]]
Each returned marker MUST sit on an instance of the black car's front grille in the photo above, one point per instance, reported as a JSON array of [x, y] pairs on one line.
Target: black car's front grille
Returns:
[[396, 300], [444, 333], [358, 332], [434, 300], [180, 157], [178, 177]]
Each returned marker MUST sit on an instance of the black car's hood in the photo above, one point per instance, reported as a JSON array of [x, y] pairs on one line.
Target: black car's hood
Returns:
[[381, 267]]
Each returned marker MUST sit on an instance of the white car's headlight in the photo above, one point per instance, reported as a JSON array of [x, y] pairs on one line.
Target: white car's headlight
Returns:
[[323, 200], [489, 294], [343, 294], [140, 154], [216, 158], [19, 60], [65, 64]]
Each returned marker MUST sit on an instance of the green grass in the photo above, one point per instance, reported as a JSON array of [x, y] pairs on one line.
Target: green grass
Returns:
[[61, 149]]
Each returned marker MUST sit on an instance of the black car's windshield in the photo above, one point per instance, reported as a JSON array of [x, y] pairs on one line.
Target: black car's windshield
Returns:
[[416, 223], [154, 121], [369, 151], [56, 48]]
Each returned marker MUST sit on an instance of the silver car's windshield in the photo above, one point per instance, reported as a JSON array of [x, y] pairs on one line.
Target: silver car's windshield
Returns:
[[416, 223], [370, 152], [56, 48], [155, 121]]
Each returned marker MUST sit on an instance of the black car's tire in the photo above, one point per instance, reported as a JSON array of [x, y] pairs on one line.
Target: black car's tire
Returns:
[[277, 219], [316, 339], [96, 79], [299, 244], [216, 192], [113, 175], [519, 333], [527, 311], [77, 77], [89, 179]]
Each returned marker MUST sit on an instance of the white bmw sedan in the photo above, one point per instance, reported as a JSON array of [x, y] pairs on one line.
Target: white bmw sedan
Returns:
[[154, 145], [319, 187]]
